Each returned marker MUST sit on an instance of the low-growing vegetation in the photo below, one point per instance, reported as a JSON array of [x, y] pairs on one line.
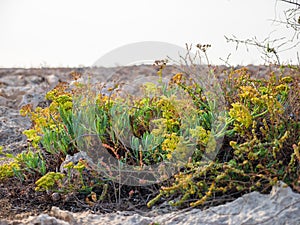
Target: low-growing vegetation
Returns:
[[259, 129]]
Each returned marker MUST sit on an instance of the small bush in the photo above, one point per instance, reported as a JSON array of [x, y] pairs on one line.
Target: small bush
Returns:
[[259, 129], [263, 143]]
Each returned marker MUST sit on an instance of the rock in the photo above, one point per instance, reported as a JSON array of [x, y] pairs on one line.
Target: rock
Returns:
[[19, 71], [281, 206], [55, 197], [63, 215], [34, 79], [34, 99], [13, 92], [52, 80], [75, 159], [45, 219], [3, 101], [10, 80], [6, 222], [12, 124]]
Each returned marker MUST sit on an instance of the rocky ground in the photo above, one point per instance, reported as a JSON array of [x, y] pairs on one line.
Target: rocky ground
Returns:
[[279, 207], [22, 86]]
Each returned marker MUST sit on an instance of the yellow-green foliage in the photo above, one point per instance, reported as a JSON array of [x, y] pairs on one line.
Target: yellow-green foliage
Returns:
[[75, 180], [49, 117], [201, 134], [156, 118], [170, 144], [262, 138], [32, 137], [22, 164], [241, 114], [8, 170], [261, 141], [50, 181]]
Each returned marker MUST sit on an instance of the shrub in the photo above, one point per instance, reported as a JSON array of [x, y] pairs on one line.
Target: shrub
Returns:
[[260, 131], [262, 148]]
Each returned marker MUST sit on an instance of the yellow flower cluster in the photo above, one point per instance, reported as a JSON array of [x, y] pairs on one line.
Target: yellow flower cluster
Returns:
[[7, 169], [201, 134], [150, 88], [60, 97], [286, 79], [241, 114], [59, 90], [33, 137], [170, 144], [177, 78], [41, 118], [167, 107], [48, 181], [281, 87], [273, 105], [46, 117], [69, 165], [103, 100], [248, 92], [79, 166]]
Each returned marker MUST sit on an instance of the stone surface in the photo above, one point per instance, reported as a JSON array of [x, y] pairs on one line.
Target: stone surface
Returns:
[[52, 80], [74, 159]]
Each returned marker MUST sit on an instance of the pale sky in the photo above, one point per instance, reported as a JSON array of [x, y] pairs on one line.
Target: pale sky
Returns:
[[36, 33]]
